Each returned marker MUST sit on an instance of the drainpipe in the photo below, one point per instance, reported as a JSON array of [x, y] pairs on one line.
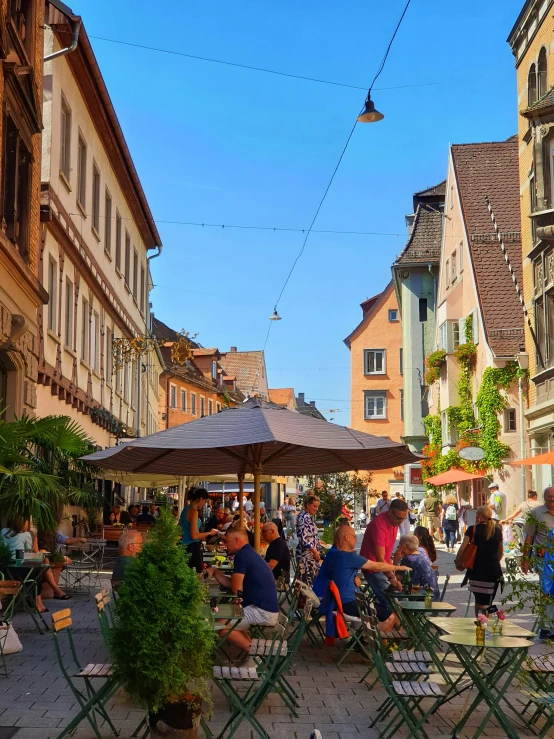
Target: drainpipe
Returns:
[[522, 437], [75, 22]]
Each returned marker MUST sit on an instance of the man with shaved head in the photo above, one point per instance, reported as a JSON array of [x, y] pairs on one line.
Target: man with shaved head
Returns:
[[341, 566], [252, 576], [277, 555], [539, 523], [130, 544]]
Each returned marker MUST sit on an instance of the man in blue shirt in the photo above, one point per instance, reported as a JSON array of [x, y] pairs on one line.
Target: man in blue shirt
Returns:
[[253, 576], [341, 566]]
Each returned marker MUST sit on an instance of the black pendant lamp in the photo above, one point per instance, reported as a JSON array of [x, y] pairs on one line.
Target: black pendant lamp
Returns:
[[369, 114]]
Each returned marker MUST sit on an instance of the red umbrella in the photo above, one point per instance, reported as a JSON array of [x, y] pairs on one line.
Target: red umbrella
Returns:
[[452, 476], [546, 458]]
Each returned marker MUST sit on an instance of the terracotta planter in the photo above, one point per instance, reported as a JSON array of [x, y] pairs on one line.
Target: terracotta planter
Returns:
[[56, 570], [175, 720]]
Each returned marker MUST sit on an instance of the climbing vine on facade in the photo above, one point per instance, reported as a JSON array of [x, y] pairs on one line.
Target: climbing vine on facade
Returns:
[[433, 364]]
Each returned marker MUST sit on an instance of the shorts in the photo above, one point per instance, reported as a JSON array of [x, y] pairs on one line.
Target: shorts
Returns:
[[435, 522], [254, 616]]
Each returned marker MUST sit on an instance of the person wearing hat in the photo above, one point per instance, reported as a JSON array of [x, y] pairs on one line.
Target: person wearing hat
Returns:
[[497, 502]]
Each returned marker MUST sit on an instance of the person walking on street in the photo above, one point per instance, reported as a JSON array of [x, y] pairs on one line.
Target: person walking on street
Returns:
[[540, 523], [433, 507], [383, 504], [308, 549], [450, 523], [497, 502]]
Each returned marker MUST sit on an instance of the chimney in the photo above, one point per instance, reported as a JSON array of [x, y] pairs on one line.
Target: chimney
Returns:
[[312, 403], [233, 348], [301, 399]]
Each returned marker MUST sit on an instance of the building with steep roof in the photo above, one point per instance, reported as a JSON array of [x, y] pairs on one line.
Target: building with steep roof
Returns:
[[249, 370], [476, 298], [415, 275], [283, 396], [531, 43], [308, 408]]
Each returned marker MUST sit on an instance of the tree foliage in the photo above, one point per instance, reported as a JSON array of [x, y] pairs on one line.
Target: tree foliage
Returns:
[[160, 644], [338, 490]]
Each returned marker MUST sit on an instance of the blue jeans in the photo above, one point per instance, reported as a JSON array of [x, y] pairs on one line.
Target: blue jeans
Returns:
[[549, 610], [449, 538], [379, 583]]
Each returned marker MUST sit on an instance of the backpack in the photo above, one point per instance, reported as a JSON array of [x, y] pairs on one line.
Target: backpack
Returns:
[[451, 513], [547, 574]]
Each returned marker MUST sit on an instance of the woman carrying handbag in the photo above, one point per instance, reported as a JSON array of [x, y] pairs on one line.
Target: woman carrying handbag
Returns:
[[480, 555]]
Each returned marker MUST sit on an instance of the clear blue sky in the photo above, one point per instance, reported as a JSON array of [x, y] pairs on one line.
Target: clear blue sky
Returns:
[[218, 144]]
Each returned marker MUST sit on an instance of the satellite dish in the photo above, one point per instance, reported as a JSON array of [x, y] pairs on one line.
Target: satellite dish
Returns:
[[472, 453]]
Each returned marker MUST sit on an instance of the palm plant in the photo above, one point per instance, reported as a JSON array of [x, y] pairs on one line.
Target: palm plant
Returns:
[[41, 470]]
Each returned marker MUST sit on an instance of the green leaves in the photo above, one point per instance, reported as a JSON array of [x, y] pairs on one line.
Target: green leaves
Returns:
[[161, 645]]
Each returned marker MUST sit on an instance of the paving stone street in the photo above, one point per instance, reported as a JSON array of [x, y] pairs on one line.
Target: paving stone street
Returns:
[[36, 701]]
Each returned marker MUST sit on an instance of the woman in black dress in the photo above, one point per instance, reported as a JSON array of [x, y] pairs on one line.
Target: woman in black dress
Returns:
[[486, 572]]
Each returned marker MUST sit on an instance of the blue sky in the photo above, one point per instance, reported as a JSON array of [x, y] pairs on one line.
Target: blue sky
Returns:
[[218, 144]]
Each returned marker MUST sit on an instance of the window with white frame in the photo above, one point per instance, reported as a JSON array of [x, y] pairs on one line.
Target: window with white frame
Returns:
[[52, 293], [173, 396], [85, 329], [449, 430], [82, 173], [202, 406], [374, 362], [118, 241], [127, 260], [68, 313], [184, 401], [210, 407], [135, 274], [393, 315], [108, 222], [96, 199], [126, 383], [95, 342], [510, 422], [214, 370], [375, 404], [449, 335], [65, 139], [193, 404], [142, 288], [109, 355], [218, 407]]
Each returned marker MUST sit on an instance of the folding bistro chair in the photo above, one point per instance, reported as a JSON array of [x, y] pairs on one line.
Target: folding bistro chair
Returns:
[[91, 701], [105, 615], [8, 589], [258, 682], [445, 585]]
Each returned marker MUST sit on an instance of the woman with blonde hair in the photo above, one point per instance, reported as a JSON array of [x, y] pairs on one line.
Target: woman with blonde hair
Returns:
[[450, 525], [486, 572]]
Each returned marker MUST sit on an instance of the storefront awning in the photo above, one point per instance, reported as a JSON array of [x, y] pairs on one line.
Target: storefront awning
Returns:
[[450, 477], [546, 458]]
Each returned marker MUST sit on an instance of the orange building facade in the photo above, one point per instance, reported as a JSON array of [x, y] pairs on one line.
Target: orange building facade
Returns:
[[376, 365]]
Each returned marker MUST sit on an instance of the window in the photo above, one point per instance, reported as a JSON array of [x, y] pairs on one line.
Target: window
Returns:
[[95, 342], [117, 241], [85, 328], [455, 334], [96, 199], [108, 221], [172, 396], [218, 407], [449, 335], [65, 140], [210, 407], [68, 318], [142, 288], [82, 172], [402, 405], [374, 362], [134, 384], [109, 355], [449, 431], [510, 420], [532, 85], [16, 187], [393, 315], [401, 360], [461, 256], [447, 273], [375, 404], [422, 310], [541, 73], [454, 269], [126, 383], [52, 293], [119, 380], [135, 275], [214, 370], [202, 406], [127, 260], [184, 401], [193, 404]]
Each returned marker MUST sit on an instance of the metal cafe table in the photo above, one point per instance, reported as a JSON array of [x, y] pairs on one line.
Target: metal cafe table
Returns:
[[414, 618], [29, 573], [230, 613], [455, 625], [490, 686]]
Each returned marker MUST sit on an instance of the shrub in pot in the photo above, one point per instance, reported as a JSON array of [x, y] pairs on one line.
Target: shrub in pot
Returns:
[[160, 644]]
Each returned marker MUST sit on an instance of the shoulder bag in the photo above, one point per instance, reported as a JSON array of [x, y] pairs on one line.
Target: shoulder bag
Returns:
[[467, 558]]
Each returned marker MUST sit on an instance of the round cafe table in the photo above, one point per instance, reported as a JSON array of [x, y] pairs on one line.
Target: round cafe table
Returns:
[[491, 687], [455, 625]]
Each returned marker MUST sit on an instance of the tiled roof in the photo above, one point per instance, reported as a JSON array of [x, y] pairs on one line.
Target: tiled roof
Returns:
[[281, 395], [439, 189], [491, 169], [162, 331], [308, 409], [368, 304], [547, 101], [368, 307], [204, 352], [246, 367], [424, 244]]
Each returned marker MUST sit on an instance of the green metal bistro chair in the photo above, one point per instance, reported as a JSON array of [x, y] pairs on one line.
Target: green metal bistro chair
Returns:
[[92, 701], [8, 589], [258, 681], [544, 702], [404, 696]]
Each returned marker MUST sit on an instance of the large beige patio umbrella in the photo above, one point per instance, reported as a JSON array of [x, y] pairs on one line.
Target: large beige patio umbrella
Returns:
[[257, 437]]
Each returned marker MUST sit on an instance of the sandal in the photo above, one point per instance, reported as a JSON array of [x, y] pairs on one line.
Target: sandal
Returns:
[[65, 596]]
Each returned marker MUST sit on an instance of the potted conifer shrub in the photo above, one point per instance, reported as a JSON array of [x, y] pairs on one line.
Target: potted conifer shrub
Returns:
[[160, 644]]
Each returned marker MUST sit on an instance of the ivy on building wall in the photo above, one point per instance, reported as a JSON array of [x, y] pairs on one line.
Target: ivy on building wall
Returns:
[[433, 364]]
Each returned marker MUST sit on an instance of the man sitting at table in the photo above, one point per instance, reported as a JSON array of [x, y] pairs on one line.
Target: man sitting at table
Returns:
[[145, 516], [130, 544], [341, 564], [252, 576], [277, 555]]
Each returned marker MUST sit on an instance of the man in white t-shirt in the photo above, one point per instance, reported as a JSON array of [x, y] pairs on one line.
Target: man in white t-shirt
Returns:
[[383, 504], [248, 505], [497, 502]]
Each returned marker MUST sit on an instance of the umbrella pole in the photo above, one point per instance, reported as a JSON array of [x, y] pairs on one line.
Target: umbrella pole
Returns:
[[257, 473], [240, 478]]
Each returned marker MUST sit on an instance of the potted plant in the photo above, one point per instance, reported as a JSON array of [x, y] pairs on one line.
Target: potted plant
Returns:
[[160, 644]]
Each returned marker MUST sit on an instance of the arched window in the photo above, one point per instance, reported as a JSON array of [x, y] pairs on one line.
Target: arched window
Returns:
[[541, 73], [532, 86]]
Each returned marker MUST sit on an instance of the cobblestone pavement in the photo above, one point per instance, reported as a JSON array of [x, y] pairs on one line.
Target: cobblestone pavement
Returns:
[[36, 700]]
